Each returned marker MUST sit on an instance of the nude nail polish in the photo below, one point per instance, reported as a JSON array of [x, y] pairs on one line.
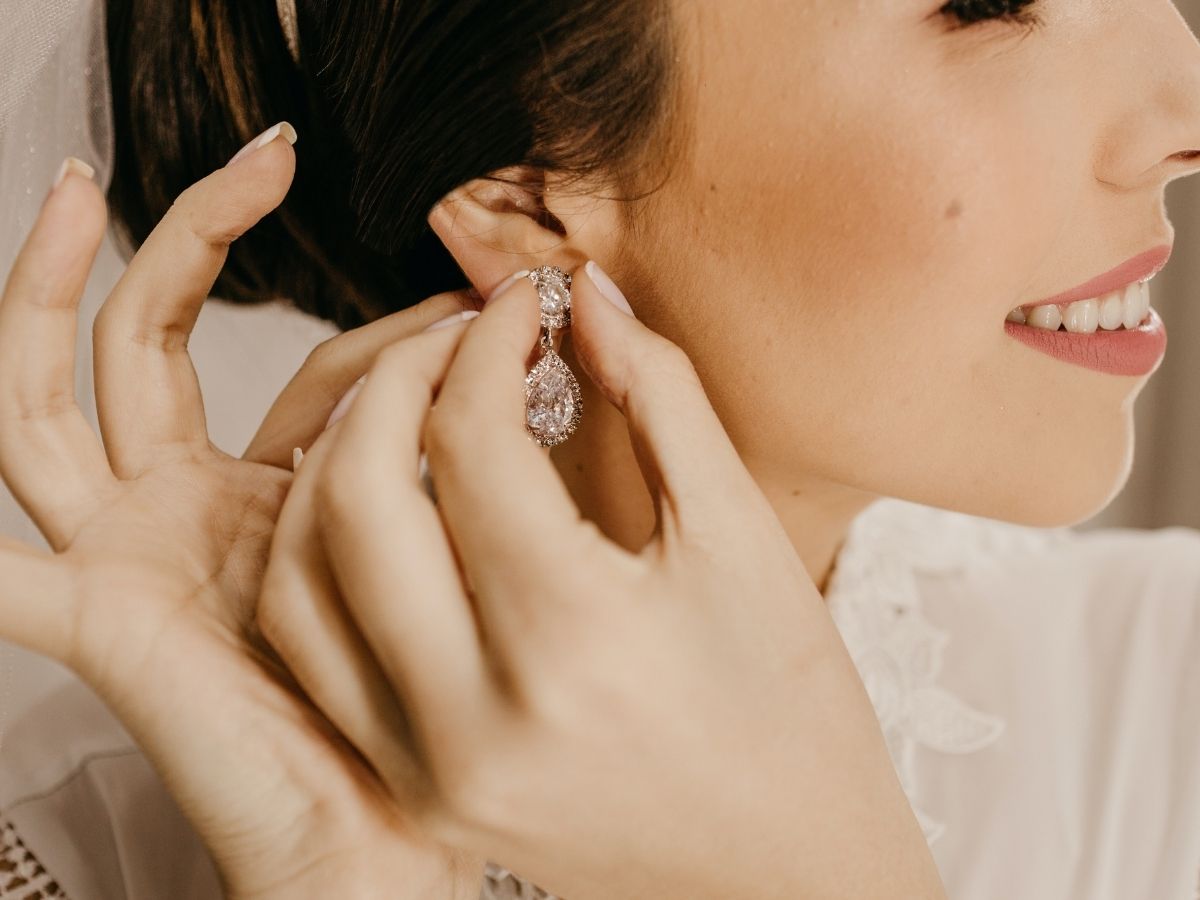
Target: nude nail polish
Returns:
[[607, 287], [73, 165], [284, 128]]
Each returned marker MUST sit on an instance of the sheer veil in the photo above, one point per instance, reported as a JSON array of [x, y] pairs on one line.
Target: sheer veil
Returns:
[[55, 101]]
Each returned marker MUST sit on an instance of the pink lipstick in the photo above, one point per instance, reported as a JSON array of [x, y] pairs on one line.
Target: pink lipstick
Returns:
[[1105, 324]]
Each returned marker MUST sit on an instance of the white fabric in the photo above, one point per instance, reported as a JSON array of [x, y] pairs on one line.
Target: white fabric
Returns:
[[1040, 691]]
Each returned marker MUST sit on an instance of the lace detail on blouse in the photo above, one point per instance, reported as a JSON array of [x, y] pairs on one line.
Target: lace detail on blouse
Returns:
[[874, 600], [22, 877]]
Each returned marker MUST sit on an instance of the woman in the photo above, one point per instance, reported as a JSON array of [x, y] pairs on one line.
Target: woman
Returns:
[[611, 141]]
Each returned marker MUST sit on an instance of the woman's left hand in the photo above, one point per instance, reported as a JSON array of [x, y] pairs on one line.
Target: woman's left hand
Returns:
[[682, 721]]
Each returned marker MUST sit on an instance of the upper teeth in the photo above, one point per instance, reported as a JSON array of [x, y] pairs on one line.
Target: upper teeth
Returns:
[[1124, 308]]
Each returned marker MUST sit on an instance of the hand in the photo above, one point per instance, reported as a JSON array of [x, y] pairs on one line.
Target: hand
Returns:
[[159, 542], [683, 721]]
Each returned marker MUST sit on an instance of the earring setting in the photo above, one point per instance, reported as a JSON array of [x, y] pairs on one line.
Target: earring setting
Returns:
[[553, 401]]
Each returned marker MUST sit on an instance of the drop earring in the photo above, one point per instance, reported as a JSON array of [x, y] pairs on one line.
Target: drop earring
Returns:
[[553, 401]]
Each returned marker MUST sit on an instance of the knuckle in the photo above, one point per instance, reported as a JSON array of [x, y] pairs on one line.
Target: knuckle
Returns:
[[661, 362], [320, 356], [102, 324], [393, 360], [204, 217], [670, 358], [445, 437], [323, 378], [340, 489], [24, 407]]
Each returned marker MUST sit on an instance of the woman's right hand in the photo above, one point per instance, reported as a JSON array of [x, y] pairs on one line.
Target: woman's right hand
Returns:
[[159, 542]]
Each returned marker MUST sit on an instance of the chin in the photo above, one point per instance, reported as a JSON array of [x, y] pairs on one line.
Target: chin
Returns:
[[1074, 486]]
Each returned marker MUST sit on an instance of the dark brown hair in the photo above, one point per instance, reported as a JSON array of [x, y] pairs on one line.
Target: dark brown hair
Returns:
[[397, 103]]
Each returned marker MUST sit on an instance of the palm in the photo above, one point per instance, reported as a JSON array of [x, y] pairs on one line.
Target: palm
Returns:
[[160, 543], [167, 577]]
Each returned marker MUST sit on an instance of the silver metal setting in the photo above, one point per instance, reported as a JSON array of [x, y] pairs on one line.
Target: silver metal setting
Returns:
[[554, 290], [553, 400]]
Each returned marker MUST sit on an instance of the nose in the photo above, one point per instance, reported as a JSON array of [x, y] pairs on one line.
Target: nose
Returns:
[[1156, 137]]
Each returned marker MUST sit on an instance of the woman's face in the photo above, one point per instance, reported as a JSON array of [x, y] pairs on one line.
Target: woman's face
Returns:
[[869, 192]]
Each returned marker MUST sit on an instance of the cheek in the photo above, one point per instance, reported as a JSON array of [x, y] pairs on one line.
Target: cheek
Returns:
[[854, 287]]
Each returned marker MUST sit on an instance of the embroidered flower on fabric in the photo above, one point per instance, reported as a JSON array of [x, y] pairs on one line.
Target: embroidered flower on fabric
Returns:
[[874, 601]]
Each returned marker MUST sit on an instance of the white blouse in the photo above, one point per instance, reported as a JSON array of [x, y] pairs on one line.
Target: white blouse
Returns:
[[1039, 691]]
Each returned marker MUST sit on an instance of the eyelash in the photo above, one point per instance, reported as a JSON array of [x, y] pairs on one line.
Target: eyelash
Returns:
[[971, 12]]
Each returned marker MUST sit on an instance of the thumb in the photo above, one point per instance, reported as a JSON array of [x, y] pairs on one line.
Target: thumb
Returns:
[[690, 465]]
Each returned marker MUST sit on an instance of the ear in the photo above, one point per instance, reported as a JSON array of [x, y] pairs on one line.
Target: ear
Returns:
[[518, 219]]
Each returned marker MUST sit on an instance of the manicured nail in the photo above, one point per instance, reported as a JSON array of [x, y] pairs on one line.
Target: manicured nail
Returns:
[[607, 287], [73, 165], [265, 138], [297, 458], [343, 405], [508, 282], [465, 316]]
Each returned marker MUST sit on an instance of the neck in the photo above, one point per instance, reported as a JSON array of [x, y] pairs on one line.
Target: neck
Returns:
[[601, 473]]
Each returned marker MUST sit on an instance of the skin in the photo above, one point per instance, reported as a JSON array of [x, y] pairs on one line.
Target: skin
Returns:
[[863, 245], [1044, 136], [159, 542]]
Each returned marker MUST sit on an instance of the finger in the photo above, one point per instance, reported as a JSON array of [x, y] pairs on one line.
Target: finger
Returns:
[[300, 412], [690, 465], [36, 601], [498, 492], [49, 455], [393, 564], [146, 388], [302, 617]]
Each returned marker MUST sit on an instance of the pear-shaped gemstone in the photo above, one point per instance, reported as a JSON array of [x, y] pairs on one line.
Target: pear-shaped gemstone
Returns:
[[553, 403]]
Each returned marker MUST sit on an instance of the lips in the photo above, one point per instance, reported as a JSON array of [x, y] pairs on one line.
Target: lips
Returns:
[[1142, 267], [1105, 324]]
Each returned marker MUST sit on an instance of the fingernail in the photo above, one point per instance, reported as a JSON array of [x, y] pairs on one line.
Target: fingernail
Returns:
[[508, 282], [465, 316], [265, 138], [607, 287], [74, 165], [343, 405], [297, 458]]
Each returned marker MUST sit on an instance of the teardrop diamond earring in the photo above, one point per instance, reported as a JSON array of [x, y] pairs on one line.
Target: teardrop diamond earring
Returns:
[[553, 401]]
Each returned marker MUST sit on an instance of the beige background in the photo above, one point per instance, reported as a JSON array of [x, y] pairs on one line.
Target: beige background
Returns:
[[1164, 487]]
